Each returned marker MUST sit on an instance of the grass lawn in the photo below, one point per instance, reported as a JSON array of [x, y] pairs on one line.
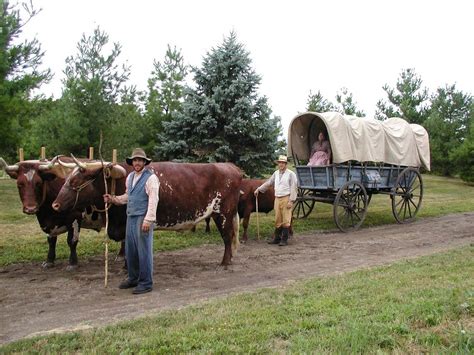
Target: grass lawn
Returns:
[[424, 305], [21, 239]]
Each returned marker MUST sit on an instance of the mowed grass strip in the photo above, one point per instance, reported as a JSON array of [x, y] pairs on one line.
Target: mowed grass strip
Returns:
[[424, 305], [21, 239]]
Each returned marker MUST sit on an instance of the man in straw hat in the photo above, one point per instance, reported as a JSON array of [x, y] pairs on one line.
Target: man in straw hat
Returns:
[[141, 197], [285, 184]]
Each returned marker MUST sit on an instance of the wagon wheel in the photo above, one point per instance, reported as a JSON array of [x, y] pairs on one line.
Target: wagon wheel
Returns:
[[407, 195], [350, 206], [302, 206]]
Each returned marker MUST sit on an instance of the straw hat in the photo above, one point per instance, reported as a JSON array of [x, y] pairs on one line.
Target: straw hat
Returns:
[[138, 153], [282, 159]]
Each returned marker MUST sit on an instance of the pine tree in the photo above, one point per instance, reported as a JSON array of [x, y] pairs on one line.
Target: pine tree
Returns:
[[407, 100], [95, 98], [448, 125], [165, 95], [347, 105], [317, 103], [20, 74], [224, 119]]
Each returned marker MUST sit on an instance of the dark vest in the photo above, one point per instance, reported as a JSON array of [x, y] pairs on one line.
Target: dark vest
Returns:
[[137, 204]]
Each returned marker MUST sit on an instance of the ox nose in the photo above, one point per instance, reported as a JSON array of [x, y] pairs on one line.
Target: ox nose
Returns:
[[56, 206], [30, 210]]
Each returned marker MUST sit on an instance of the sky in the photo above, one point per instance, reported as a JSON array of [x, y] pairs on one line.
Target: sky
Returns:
[[296, 46]]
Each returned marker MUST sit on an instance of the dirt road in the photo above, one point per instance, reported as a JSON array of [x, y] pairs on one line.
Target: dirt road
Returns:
[[35, 301]]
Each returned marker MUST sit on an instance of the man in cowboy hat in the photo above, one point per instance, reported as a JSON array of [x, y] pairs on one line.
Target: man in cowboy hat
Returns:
[[285, 184], [141, 197]]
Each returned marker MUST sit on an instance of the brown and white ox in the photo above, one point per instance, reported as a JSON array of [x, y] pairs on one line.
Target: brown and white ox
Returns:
[[38, 184], [247, 203], [189, 193]]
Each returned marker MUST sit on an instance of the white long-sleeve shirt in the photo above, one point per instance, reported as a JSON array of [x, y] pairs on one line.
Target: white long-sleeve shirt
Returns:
[[152, 188], [284, 183]]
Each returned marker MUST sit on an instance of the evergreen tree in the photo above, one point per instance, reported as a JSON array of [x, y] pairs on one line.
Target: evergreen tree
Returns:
[[20, 74], [463, 156], [165, 95], [223, 117], [448, 125], [347, 105], [317, 103], [407, 100], [95, 98]]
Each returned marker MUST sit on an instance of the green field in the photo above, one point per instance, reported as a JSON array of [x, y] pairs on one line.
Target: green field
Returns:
[[418, 306], [21, 239]]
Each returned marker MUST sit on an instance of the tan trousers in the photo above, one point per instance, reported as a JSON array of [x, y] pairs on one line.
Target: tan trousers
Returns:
[[282, 212]]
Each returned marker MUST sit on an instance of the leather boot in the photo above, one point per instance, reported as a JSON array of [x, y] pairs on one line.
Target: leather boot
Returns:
[[276, 238], [284, 237]]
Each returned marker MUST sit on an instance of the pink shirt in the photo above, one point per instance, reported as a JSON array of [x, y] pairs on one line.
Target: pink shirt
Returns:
[[152, 188]]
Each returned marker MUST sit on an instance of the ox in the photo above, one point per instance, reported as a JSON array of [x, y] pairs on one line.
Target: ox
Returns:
[[38, 185], [247, 203], [189, 193]]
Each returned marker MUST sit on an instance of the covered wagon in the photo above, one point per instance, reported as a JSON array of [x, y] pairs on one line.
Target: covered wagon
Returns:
[[368, 157]]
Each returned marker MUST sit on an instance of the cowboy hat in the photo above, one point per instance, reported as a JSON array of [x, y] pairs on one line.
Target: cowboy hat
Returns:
[[138, 153], [282, 159]]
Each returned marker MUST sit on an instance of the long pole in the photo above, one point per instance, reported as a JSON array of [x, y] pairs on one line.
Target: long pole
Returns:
[[106, 253], [258, 223]]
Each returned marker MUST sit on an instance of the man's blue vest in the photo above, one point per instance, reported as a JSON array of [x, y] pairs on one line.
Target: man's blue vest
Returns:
[[137, 204]]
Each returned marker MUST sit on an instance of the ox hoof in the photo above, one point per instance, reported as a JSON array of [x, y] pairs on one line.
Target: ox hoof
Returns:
[[223, 266], [71, 267], [47, 264]]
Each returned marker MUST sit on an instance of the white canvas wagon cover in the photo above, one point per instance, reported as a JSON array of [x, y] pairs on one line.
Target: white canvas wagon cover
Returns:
[[393, 141]]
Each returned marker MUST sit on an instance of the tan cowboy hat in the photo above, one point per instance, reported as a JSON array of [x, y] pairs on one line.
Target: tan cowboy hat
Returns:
[[138, 153], [282, 159]]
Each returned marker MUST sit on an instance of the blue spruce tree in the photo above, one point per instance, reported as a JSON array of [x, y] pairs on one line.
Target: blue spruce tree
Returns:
[[223, 117]]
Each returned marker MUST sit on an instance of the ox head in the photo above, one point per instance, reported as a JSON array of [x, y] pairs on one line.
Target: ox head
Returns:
[[31, 178], [85, 185]]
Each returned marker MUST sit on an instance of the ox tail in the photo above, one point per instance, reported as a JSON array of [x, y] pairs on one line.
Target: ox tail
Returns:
[[235, 236]]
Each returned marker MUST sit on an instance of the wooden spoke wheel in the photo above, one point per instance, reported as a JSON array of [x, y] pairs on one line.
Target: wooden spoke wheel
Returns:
[[407, 195], [303, 205], [350, 206]]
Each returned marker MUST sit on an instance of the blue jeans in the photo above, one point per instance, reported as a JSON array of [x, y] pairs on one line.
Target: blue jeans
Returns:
[[139, 252]]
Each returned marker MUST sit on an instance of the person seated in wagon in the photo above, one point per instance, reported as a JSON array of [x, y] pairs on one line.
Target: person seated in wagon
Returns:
[[320, 151]]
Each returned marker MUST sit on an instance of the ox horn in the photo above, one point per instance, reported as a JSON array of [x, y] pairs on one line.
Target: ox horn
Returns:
[[66, 165], [78, 163], [117, 172], [50, 165], [6, 167]]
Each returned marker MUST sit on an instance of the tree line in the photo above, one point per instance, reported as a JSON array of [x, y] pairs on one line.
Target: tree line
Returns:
[[207, 113]]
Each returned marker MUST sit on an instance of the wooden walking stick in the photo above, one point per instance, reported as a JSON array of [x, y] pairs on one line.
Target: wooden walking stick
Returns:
[[106, 253], [258, 224]]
